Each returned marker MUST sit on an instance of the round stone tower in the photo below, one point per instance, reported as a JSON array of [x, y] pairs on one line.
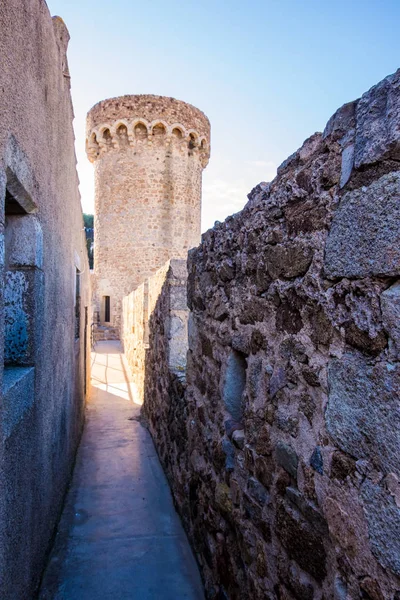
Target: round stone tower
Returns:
[[149, 153]]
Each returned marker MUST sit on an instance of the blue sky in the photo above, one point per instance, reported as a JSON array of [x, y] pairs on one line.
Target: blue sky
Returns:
[[267, 73]]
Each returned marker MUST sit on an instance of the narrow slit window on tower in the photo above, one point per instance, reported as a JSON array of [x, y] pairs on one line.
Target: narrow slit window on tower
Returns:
[[107, 309]]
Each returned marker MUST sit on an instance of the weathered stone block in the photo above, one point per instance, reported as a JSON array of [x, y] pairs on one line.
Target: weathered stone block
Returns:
[[383, 518], [288, 318], [321, 327], [257, 491], [3, 183], [363, 341], [277, 381], [362, 414], [287, 458], [229, 452], [307, 406], [342, 466], [363, 240], [235, 381], [290, 260], [371, 587], [17, 397], [286, 423], [302, 543], [223, 498], [341, 122], [316, 461], [347, 165], [18, 321], [342, 528], [307, 509], [264, 469], [378, 123], [263, 444], [23, 310], [390, 305], [24, 241], [340, 589], [294, 579], [305, 216], [178, 298], [239, 438], [231, 426]]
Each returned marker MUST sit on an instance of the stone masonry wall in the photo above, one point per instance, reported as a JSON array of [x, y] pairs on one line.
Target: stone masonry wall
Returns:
[[134, 338], [160, 304], [149, 153], [282, 448], [45, 291]]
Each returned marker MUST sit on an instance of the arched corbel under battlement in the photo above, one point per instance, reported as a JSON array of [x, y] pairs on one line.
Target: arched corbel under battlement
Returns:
[[204, 149], [121, 122], [120, 132], [177, 127], [159, 123], [92, 146], [159, 132], [105, 138], [140, 129], [192, 140], [124, 133]]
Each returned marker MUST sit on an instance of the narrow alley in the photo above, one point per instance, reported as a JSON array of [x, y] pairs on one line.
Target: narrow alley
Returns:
[[119, 536]]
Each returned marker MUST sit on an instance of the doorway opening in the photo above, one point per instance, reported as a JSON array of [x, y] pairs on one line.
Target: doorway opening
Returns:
[[107, 309]]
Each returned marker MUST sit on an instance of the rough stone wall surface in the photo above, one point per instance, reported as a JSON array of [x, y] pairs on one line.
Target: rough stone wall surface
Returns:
[[165, 367], [162, 296], [149, 154], [43, 387], [134, 339], [282, 446]]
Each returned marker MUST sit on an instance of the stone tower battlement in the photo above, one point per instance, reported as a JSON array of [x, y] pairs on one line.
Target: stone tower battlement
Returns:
[[148, 153], [114, 124]]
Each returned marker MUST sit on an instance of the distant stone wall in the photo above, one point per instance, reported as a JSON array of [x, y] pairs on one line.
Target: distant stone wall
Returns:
[[133, 337], [159, 305], [283, 450]]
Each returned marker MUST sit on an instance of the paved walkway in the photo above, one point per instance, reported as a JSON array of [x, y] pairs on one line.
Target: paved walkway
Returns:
[[119, 537]]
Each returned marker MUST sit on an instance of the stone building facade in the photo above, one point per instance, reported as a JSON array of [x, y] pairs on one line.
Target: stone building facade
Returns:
[[282, 444], [45, 296], [149, 153]]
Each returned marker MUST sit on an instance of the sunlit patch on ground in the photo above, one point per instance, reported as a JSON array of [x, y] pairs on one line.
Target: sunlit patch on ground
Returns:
[[110, 372]]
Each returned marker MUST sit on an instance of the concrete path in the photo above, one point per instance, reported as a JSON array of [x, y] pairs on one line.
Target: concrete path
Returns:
[[119, 537]]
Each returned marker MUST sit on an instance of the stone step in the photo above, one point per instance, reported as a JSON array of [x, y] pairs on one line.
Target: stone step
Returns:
[[103, 333]]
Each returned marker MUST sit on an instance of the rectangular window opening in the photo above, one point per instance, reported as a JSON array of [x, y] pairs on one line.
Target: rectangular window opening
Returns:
[[77, 304], [107, 309]]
